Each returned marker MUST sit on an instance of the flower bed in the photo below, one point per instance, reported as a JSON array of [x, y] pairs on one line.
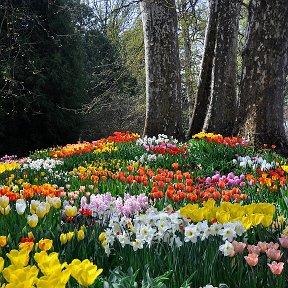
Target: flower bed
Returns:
[[127, 211]]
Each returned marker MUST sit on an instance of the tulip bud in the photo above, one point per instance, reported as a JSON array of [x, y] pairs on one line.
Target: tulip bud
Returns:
[[45, 244], [63, 238], [32, 220], [20, 206], [4, 201], [41, 210], [70, 211], [3, 241], [80, 235]]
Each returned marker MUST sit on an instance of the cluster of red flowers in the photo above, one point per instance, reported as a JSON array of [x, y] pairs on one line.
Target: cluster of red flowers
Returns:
[[86, 147], [230, 141], [120, 137], [169, 149], [7, 191], [272, 179], [28, 191], [178, 185]]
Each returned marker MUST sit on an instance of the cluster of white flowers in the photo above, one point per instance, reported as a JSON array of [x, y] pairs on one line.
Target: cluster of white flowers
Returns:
[[56, 175], [255, 162], [157, 226], [146, 158], [162, 138], [47, 164]]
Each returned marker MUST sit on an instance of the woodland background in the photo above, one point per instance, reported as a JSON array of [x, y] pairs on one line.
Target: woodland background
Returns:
[[75, 70]]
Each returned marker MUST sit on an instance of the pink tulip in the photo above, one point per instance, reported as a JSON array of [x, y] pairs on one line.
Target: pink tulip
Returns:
[[62, 194], [68, 186], [252, 259], [284, 241], [253, 249], [88, 194], [274, 254], [276, 268], [273, 245], [82, 188], [238, 246], [263, 246]]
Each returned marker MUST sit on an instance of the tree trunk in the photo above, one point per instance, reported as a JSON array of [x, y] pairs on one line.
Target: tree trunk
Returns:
[[185, 24], [221, 115], [163, 86], [261, 99], [204, 87]]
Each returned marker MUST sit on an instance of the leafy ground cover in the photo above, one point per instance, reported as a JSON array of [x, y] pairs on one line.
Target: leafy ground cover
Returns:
[[126, 211]]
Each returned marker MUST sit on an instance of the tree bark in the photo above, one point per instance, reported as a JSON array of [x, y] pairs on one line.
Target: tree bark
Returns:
[[185, 24], [221, 114], [262, 87], [163, 85], [204, 87]]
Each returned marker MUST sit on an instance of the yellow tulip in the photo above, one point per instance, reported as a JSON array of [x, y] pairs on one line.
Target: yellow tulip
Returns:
[[27, 276], [80, 235], [5, 211], [45, 244], [187, 210], [32, 220], [26, 245], [246, 222], [2, 262], [4, 201], [222, 217], [84, 272], [48, 264], [256, 218], [70, 211], [102, 237], [63, 238], [34, 204], [267, 220], [55, 280], [3, 241], [41, 210], [70, 236], [18, 258]]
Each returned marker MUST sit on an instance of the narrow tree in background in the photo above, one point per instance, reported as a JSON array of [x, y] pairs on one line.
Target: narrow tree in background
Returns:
[[216, 98], [221, 114], [163, 91], [204, 86], [265, 61]]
